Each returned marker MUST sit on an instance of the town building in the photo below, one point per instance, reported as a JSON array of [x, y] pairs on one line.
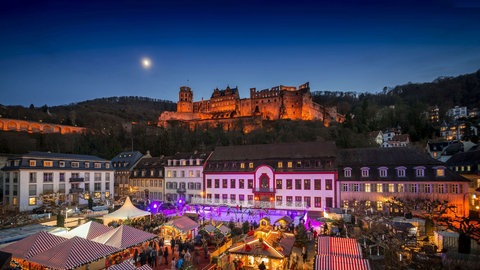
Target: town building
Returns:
[[147, 180], [225, 107], [184, 176], [297, 177], [38, 178], [17, 125], [457, 112], [123, 165], [375, 177], [467, 164]]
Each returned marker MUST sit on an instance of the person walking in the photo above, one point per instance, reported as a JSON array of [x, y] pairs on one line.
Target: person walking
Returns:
[[165, 255]]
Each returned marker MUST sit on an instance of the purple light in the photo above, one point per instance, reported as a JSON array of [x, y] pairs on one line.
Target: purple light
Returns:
[[155, 206]]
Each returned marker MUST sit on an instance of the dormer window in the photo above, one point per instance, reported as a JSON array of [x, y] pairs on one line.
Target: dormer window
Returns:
[[347, 172], [280, 164], [47, 163], [365, 171], [401, 171], [33, 163], [382, 171], [420, 171], [440, 171]]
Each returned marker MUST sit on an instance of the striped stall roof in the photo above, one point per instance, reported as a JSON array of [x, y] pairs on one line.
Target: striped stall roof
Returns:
[[33, 245], [339, 247], [124, 237], [323, 262], [73, 253], [88, 230]]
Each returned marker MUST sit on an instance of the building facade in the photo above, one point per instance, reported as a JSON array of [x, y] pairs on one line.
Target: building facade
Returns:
[[147, 180], [226, 106], [184, 177], [290, 177], [123, 165], [376, 177], [38, 178]]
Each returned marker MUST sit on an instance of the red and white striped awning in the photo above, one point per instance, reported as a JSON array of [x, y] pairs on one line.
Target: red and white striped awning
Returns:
[[323, 262], [73, 253], [33, 244], [338, 246]]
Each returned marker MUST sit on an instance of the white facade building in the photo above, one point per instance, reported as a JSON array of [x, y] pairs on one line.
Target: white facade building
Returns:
[[37, 178]]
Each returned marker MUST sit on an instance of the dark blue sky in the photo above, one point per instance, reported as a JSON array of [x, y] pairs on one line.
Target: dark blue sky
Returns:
[[59, 52]]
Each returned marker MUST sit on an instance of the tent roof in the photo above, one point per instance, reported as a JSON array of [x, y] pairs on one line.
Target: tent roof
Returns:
[[72, 253], [128, 210], [88, 230], [337, 246], [323, 262], [287, 219], [183, 224], [124, 237], [33, 244]]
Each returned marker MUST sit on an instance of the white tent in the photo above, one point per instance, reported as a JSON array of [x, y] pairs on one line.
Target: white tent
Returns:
[[127, 211]]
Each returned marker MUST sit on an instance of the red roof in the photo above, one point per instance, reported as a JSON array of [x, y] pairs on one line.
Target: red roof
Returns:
[[340, 263], [339, 247]]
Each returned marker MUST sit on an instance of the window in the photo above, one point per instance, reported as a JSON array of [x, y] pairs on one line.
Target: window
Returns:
[[47, 163], [413, 188], [250, 183], [328, 184], [87, 164], [379, 187], [427, 188], [33, 177], [61, 164], [344, 187], [32, 190], [420, 171], [306, 184], [233, 183], [32, 201], [217, 183], [224, 183], [33, 163], [75, 164], [278, 183], [241, 183], [97, 186], [280, 164], [250, 198], [382, 171], [289, 184], [365, 171], [391, 188], [62, 177], [169, 173], [97, 177], [455, 189], [241, 197], [242, 165], [400, 188], [401, 171], [250, 165], [232, 198], [356, 187], [379, 206], [317, 184], [440, 172], [368, 187], [329, 202], [298, 184], [279, 200], [347, 172], [307, 201], [317, 201], [289, 200], [48, 177], [289, 164]]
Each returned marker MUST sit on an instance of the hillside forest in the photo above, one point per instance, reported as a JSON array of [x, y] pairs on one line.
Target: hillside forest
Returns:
[[117, 124]]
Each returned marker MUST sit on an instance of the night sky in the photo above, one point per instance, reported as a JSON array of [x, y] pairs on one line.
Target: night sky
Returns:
[[61, 52]]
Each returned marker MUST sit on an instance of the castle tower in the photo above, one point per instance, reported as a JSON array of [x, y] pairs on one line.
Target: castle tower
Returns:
[[185, 100]]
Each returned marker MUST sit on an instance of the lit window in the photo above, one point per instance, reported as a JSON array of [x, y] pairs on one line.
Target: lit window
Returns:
[[97, 165], [32, 201], [250, 165], [440, 172], [75, 164], [289, 164], [280, 164], [33, 163], [242, 165], [368, 187], [48, 163], [87, 165]]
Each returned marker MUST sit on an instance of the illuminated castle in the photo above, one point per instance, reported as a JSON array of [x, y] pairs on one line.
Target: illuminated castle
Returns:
[[225, 107]]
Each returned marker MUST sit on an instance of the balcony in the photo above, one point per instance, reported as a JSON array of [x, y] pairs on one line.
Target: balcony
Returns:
[[76, 190], [76, 179], [266, 191]]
